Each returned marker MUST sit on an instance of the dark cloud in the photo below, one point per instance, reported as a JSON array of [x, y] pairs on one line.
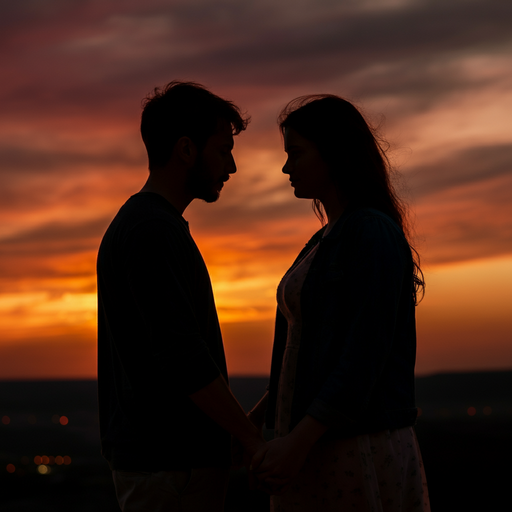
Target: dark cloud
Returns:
[[468, 221], [55, 233], [466, 166], [104, 58], [22, 161]]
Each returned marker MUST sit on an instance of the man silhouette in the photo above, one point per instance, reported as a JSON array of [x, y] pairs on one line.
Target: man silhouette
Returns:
[[166, 411]]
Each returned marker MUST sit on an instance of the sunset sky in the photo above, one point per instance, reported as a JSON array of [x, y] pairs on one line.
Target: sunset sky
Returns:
[[435, 75]]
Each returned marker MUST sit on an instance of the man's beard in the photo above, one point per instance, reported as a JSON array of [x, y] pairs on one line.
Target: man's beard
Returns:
[[200, 185]]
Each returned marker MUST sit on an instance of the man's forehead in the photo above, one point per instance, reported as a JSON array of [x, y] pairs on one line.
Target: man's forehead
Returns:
[[223, 133]]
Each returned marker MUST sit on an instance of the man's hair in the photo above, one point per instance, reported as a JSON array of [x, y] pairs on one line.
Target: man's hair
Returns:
[[184, 109]]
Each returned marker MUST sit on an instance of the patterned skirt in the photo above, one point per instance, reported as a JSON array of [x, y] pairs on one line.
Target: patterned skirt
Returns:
[[380, 472]]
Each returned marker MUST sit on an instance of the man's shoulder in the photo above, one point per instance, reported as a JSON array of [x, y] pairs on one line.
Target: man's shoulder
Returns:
[[147, 211], [145, 217], [150, 206]]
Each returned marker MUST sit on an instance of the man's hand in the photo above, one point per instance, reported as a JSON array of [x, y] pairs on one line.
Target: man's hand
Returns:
[[277, 466]]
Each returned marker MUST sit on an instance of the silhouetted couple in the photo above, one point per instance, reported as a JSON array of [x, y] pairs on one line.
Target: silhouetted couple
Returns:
[[341, 390]]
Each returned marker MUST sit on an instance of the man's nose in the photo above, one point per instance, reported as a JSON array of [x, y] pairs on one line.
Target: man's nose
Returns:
[[232, 165]]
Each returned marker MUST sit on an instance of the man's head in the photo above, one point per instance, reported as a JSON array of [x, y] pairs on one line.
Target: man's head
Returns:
[[184, 109], [212, 166]]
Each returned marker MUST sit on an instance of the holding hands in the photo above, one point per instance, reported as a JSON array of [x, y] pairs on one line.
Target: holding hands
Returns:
[[278, 464], [275, 464]]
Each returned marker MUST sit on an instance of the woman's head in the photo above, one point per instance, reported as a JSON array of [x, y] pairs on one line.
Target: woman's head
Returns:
[[353, 154], [357, 162]]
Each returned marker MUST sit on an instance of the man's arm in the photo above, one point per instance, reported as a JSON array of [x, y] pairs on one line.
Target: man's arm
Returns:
[[257, 413], [218, 402]]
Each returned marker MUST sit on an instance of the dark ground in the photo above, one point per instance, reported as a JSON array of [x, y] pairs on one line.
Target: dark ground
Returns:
[[467, 458]]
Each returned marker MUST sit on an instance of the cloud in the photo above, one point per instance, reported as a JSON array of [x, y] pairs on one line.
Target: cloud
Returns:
[[123, 49], [471, 165]]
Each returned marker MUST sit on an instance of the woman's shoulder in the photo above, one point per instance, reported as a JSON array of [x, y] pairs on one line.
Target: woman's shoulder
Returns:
[[365, 220]]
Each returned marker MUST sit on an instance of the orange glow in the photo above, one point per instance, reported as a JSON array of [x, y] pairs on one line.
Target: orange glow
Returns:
[[11, 468], [45, 460], [6, 420], [464, 321], [59, 460], [63, 420], [471, 411], [67, 460], [38, 460]]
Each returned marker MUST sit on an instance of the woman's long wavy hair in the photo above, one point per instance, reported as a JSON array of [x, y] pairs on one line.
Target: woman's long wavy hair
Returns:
[[357, 158]]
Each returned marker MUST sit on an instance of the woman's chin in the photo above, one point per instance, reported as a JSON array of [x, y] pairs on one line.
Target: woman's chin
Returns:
[[301, 195]]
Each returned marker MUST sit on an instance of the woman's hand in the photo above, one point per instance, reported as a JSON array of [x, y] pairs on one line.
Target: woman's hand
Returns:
[[283, 458]]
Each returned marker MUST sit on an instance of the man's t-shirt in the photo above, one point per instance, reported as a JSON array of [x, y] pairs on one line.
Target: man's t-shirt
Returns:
[[158, 341]]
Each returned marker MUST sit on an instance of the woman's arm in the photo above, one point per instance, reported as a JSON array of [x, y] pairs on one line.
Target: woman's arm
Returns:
[[370, 314]]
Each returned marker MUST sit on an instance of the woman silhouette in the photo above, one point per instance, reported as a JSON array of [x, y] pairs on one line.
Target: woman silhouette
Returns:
[[341, 392]]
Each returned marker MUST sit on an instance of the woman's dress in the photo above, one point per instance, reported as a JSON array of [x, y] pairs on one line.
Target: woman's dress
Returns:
[[379, 472]]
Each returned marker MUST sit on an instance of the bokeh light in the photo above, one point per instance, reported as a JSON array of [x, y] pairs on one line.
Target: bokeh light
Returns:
[[63, 420], [43, 469], [11, 468], [471, 411], [6, 420]]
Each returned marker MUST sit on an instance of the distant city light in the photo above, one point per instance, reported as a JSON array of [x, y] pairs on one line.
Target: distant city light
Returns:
[[471, 411], [11, 468], [45, 460], [487, 410], [6, 420], [63, 420], [43, 470]]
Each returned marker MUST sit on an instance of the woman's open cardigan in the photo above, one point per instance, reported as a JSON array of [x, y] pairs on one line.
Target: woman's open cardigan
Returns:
[[355, 369]]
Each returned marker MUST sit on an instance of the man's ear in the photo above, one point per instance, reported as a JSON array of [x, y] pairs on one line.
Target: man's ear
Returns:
[[186, 150]]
